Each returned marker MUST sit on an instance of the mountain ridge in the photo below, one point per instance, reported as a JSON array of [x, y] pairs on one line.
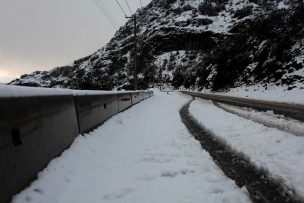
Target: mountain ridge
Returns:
[[195, 44]]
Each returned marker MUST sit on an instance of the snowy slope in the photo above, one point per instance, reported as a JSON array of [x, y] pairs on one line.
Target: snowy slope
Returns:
[[195, 44], [144, 154]]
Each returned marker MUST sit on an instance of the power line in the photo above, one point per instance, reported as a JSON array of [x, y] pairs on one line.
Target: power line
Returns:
[[121, 7], [105, 13], [134, 18], [128, 6]]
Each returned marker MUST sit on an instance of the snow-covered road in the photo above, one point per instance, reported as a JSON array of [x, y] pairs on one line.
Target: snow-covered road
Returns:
[[278, 152], [144, 154], [268, 119]]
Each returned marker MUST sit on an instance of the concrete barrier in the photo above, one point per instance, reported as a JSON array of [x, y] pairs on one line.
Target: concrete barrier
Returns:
[[93, 110], [36, 129], [33, 130], [136, 97], [124, 101], [140, 96], [148, 95], [143, 96]]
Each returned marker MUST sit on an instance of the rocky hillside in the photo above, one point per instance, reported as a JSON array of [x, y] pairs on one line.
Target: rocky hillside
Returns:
[[215, 44]]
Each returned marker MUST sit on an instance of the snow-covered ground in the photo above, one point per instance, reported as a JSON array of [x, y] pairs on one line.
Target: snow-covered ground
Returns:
[[271, 93], [267, 118], [278, 152], [144, 154]]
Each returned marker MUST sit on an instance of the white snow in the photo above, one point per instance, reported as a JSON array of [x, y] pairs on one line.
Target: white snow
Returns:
[[144, 154], [163, 60], [272, 93], [299, 72], [298, 51], [20, 91], [267, 118], [221, 23], [282, 5], [97, 92], [263, 43], [278, 152], [184, 16]]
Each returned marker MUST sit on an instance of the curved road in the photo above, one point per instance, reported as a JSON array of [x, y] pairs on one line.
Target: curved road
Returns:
[[295, 111], [261, 187]]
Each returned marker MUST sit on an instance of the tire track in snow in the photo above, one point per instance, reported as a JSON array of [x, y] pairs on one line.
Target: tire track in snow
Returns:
[[295, 111], [294, 128], [261, 187]]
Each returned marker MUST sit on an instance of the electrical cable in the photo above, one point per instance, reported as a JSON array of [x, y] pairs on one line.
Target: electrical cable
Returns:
[[121, 7], [128, 6], [105, 13]]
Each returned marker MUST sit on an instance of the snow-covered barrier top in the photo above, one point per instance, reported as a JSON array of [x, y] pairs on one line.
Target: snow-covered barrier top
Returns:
[[20, 91], [37, 124]]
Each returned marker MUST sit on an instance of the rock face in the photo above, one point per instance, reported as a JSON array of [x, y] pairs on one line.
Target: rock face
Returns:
[[216, 44]]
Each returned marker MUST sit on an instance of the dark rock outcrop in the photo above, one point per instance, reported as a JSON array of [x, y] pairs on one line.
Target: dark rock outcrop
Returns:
[[211, 43]]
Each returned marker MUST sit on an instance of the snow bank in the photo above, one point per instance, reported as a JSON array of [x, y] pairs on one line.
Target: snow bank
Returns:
[[278, 152], [144, 154], [268, 118], [272, 93]]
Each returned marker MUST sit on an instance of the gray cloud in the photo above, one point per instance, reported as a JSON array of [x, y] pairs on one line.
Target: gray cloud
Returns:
[[43, 34]]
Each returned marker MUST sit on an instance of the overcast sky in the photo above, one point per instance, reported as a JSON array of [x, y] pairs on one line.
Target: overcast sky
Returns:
[[43, 34]]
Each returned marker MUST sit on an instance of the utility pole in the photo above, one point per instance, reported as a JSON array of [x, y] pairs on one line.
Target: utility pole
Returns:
[[134, 18], [147, 68], [153, 76]]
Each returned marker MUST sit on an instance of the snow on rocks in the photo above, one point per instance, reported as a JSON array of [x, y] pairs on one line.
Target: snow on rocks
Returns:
[[282, 5], [144, 154], [279, 153]]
